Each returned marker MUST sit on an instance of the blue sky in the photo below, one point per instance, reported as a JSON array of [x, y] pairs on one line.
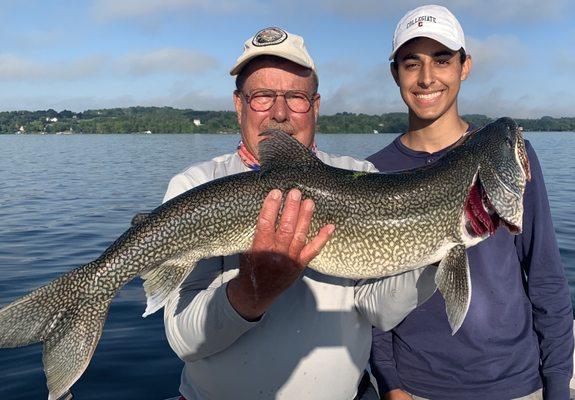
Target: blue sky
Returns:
[[80, 55]]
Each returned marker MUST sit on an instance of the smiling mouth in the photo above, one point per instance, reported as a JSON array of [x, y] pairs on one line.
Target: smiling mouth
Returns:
[[428, 96]]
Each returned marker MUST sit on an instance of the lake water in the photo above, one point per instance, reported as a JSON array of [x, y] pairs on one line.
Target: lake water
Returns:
[[64, 199]]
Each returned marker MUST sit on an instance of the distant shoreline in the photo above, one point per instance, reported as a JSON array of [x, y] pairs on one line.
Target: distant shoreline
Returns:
[[150, 120]]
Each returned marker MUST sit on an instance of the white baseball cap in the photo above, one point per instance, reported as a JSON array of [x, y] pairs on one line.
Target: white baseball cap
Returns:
[[431, 21], [274, 42]]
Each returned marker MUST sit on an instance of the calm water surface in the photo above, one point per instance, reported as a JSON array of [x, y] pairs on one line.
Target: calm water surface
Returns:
[[64, 199]]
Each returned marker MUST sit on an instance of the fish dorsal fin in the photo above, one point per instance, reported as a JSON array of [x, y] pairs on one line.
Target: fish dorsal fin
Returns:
[[278, 150]]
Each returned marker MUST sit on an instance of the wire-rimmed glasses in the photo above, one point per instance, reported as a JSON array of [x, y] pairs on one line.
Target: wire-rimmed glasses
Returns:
[[263, 99]]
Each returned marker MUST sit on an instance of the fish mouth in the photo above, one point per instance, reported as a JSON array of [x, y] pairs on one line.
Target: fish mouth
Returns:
[[481, 217], [521, 155]]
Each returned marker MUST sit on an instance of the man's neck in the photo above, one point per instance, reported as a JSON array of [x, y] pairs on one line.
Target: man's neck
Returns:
[[432, 136]]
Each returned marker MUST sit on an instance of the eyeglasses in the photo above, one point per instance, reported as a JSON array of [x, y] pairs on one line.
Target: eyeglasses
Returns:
[[264, 99]]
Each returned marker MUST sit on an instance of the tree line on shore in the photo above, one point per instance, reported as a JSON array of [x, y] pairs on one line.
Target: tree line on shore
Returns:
[[172, 120]]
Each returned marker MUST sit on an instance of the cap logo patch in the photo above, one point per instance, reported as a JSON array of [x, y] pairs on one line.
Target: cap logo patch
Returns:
[[269, 37], [420, 20]]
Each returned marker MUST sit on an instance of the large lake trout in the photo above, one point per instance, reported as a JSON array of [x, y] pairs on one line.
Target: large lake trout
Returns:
[[385, 224]]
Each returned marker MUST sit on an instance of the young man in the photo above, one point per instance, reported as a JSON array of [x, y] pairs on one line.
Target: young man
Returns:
[[263, 326], [517, 336]]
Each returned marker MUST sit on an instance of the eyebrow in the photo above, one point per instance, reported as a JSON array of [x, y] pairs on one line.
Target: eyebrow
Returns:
[[441, 53], [410, 56]]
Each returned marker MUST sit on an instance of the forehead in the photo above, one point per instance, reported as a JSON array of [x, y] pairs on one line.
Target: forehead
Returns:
[[422, 46], [278, 75]]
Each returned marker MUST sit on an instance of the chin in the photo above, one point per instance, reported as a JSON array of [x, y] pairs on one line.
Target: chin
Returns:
[[428, 116]]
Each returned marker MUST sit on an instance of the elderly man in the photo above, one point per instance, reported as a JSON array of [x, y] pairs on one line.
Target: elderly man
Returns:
[[261, 325]]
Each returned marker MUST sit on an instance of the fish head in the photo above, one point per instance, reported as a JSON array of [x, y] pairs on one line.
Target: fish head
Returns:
[[503, 171]]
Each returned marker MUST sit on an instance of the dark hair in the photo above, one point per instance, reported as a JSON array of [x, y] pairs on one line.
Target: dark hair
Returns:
[[243, 74], [462, 54]]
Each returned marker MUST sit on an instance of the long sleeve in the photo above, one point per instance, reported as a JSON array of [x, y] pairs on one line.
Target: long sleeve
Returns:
[[382, 362], [179, 184], [546, 286], [199, 319], [385, 303]]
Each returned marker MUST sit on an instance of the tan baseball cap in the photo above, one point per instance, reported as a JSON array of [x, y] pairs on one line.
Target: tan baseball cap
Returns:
[[274, 42], [431, 21]]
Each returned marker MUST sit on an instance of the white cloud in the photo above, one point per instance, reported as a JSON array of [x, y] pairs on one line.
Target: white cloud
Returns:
[[72, 103], [341, 67], [500, 102], [564, 61], [494, 53], [20, 69], [166, 60], [187, 93], [80, 68], [106, 10], [197, 100], [34, 38], [489, 10], [371, 92], [12, 67], [512, 10], [353, 8], [350, 10]]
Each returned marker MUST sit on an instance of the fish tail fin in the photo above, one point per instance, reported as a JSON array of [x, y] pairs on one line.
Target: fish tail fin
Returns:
[[454, 282], [65, 319]]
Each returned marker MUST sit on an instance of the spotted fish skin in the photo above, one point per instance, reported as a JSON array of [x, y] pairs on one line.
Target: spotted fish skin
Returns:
[[385, 224], [390, 223]]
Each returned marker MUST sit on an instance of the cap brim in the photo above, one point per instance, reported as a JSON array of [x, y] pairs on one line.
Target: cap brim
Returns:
[[450, 44], [242, 62]]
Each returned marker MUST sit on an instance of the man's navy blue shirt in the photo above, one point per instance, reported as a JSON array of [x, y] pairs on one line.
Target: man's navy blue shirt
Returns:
[[520, 313]]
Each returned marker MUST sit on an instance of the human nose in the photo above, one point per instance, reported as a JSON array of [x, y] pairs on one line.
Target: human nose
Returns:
[[280, 109], [426, 77]]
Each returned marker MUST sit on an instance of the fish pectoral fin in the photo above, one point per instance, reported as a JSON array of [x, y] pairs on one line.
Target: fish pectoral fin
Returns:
[[163, 280], [454, 282]]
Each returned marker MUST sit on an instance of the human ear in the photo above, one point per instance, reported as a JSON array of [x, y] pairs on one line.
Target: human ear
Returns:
[[238, 104], [466, 67], [394, 72], [316, 106]]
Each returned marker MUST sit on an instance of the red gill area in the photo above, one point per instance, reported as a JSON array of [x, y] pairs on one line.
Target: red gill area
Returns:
[[479, 219]]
